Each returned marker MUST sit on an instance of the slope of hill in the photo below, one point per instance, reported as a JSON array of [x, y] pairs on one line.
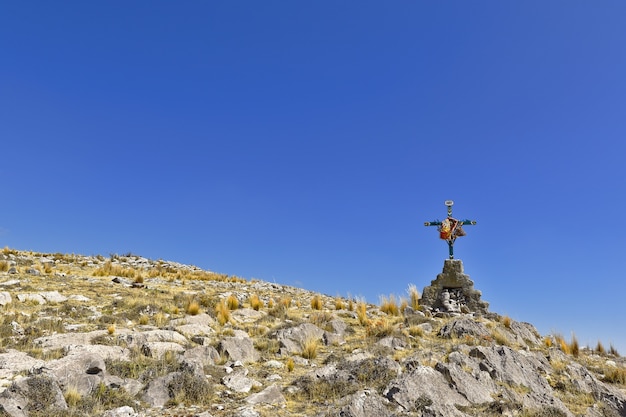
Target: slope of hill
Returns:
[[129, 336]]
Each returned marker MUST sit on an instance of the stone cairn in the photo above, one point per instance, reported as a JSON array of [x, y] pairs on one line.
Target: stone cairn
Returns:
[[453, 293]]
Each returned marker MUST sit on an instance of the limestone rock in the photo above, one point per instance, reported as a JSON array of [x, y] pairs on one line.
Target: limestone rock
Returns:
[[159, 349], [238, 381], [425, 388], [270, 395], [5, 298], [366, 403], [461, 326], [125, 411], [35, 393], [239, 349], [82, 371], [293, 338]]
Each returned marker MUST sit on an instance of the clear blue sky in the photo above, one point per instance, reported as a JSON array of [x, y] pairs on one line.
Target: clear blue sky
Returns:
[[306, 143]]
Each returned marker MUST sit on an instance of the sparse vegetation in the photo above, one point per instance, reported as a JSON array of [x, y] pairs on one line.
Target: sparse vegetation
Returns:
[[361, 311], [309, 348], [389, 305], [255, 302], [222, 313], [316, 302], [119, 312], [193, 308]]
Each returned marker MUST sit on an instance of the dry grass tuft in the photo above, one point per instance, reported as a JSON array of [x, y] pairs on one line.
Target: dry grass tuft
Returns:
[[600, 348], [389, 305], [339, 305], [361, 312], [232, 302], [316, 302], [193, 308], [72, 397], [574, 347], [222, 312], [414, 297], [615, 375], [290, 365], [255, 302], [309, 348], [506, 321]]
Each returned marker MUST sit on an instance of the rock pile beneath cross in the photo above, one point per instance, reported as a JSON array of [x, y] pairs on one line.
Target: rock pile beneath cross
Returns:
[[453, 293]]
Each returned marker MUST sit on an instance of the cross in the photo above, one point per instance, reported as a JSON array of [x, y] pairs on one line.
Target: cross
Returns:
[[450, 228]]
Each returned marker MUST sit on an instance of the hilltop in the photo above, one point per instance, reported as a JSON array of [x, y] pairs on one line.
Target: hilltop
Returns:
[[128, 336]]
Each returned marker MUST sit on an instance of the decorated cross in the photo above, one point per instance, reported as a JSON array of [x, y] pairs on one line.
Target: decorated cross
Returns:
[[450, 228]]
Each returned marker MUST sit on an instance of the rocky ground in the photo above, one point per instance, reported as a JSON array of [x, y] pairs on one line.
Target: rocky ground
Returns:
[[128, 336]]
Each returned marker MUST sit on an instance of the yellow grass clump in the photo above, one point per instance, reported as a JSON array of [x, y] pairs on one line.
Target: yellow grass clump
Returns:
[[414, 297], [361, 312], [255, 302], [389, 305], [309, 348], [193, 308], [222, 312], [316, 302], [232, 302]]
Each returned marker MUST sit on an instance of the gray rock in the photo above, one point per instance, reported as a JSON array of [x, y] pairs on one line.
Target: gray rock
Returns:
[[141, 338], [63, 340], [194, 330], [202, 355], [246, 315], [53, 296], [239, 349], [32, 393], [270, 395], [37, 298], [423, 388], [159, 349], [461, 326], [157, 393], [366, 404], [13, 362], [246, 412], [125, 411], [514, 369], [82, 371], [293, 338], [238, 381], [5, 298], [10, 283]]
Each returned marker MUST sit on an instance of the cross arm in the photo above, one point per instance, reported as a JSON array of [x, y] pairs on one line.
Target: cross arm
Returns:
[[433, 223], [470, 222]]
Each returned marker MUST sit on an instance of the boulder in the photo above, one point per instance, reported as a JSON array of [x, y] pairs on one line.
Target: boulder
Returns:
[[271, 395], [5, 298], [34, 393], [159, 349], [293, 338], [53, 296], [425, 389], [82, 371], [366, 403], [239, 349], [125, 411], [464, 325], [238, 381]]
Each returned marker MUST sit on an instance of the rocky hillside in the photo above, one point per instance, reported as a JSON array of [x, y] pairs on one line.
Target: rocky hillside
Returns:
[[128, 336]]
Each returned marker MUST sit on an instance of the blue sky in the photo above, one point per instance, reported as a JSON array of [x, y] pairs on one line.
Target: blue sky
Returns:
[[306, 143]]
